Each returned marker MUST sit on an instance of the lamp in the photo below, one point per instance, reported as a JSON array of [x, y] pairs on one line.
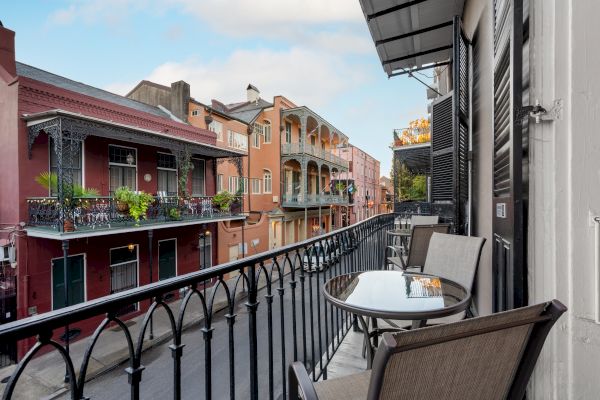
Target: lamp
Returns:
[[130, 159], [131, 247]]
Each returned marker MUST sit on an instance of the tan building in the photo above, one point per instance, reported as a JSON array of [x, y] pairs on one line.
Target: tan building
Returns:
[[286, 177]]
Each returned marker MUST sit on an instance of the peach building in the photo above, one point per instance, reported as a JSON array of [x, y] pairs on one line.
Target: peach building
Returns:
[[363, 177], [287, 176]]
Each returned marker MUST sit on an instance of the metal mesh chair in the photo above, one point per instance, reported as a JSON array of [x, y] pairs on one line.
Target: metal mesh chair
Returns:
[[417, 251], [454, 361]]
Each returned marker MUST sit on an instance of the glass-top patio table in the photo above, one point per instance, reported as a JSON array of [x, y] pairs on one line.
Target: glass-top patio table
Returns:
[[395, 295]]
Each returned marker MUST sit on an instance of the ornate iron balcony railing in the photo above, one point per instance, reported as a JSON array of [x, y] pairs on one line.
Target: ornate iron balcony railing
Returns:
[[297, 148], [310, 200], [278, 291], [103, 212]]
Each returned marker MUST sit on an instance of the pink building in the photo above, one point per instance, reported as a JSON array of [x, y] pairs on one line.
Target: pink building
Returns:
[[363, 184]]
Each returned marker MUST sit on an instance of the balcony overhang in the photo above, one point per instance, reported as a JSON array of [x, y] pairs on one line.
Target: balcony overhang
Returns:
[[417, 158], [45, 233], [304, 111], [412, 35], [79, 126]]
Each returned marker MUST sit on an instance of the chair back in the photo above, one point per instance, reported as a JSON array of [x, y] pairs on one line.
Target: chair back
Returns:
[[416, 220], [419, 243], [454, 257], [489, 357]]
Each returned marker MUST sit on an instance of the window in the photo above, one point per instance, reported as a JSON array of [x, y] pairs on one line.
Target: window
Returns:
[[205, 247], [124, 272], [267, 132], [122, 167], [76, 165], [237, 140], [198, 177], [219, 183], [216, 127], [244, 184], [166, 174], [255, 186], [256, 133], [288, 132], [195, 113], [234, 182], [267, 181]]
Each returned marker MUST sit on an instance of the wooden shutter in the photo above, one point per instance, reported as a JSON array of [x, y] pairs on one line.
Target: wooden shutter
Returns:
[[510, 156], [450, 141]]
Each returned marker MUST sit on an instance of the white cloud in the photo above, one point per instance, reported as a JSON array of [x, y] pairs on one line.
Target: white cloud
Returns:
[[307, 77]]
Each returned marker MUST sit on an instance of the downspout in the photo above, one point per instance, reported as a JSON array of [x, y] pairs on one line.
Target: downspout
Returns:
[[248, 183]]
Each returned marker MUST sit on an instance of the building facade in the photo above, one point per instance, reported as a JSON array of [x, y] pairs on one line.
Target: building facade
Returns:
[[60, 139], [363, 172], [285, 176]]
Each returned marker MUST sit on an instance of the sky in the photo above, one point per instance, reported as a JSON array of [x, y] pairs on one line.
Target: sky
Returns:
[[317, 53]]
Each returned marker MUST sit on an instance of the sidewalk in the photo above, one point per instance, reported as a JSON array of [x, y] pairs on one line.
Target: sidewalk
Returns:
[[43, 378]]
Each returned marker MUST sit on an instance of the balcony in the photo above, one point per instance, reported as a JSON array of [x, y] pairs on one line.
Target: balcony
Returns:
[[270, 313], [289, 149], [410, 140], [313, 200], [100, 216]]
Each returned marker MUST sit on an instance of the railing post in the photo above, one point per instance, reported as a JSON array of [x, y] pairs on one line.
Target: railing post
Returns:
[[252, 305]]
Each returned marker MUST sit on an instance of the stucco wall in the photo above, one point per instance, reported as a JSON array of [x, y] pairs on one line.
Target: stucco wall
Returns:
[[478, 25]]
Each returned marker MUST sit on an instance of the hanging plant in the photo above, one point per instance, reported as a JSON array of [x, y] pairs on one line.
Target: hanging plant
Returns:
[[185, 165]]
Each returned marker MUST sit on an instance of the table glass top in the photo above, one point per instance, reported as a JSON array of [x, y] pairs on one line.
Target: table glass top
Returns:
[[395, 291]]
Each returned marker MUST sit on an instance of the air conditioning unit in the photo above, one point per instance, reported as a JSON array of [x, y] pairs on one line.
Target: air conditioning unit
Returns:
[[7, 253]]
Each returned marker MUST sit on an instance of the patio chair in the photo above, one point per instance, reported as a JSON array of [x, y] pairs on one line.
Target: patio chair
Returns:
[[416, 220], [489, 357], [419, 244]]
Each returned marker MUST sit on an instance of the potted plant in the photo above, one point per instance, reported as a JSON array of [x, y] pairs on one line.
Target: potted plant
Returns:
[[340, 187], [222, 201], [174, 213], [74, 196], [136, 203], [236, 203]]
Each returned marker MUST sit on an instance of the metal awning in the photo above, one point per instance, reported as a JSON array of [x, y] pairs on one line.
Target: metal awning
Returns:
[[411, 34], [417, 158], [80, 126]]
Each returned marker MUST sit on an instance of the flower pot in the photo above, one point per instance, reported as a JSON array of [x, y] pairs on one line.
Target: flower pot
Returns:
[[122, 207], [236, 207], [68, 225]]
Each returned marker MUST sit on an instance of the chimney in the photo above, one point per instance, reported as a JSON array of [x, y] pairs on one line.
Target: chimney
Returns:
[[7, 50], [252, 93], [180, 99]]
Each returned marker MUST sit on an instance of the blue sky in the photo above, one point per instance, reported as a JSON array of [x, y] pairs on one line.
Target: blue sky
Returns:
[[316, 53]]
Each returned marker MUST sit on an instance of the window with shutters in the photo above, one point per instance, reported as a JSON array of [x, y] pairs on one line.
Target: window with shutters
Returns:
[[267, 181], [267, 132], [76, 167], [122, 167], [166, 173], [255, 186]]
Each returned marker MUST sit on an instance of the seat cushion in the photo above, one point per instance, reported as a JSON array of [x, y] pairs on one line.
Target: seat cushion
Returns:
[[351, 387]]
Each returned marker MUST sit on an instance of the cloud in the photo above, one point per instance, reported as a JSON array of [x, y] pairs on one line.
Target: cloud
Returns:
[[307, 77]]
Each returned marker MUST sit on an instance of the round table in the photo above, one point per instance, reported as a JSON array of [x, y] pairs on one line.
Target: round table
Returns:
[[395, 295]]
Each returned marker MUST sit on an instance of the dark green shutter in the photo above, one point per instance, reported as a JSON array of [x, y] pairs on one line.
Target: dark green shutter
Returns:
[[75, 265]]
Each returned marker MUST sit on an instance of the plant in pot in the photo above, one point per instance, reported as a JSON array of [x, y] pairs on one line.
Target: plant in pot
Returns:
[[136, 203], [222, 201], [340, 187], [174, 214], [236, 203], [73, 196]]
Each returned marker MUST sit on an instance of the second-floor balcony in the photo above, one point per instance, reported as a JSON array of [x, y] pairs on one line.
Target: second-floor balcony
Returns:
[[313, 200], [288, 149], [102, 215]]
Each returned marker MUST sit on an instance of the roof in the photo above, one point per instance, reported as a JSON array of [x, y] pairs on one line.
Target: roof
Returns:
[[248, 110], [81, 88], [411, 34]]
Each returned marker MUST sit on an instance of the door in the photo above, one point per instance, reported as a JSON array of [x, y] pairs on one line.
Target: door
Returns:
[[75, 279], [510, 155], [167, 259]]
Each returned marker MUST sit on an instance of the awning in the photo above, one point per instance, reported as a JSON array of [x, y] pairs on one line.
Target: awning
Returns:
[[411, 34], [417, 157], [81, 126]]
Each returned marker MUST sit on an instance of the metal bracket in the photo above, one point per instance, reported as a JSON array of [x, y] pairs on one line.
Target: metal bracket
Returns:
[[540, 113]]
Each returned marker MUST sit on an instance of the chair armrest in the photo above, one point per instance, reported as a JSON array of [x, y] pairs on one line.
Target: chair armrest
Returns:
[[300, 383]]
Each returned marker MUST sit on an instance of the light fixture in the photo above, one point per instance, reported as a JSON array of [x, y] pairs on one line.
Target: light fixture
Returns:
[[130, 159], [147, 178], [131, 247], [207, 233]]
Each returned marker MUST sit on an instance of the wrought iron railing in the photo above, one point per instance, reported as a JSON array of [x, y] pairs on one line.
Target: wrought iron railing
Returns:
[[284, 319], [312, 199], [297, 148], [103, 212]]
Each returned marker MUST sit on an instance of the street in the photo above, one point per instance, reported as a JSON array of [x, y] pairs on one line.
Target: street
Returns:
[[157, 378]]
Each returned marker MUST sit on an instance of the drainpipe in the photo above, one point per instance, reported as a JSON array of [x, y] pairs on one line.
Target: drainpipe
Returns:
[[65, 248]]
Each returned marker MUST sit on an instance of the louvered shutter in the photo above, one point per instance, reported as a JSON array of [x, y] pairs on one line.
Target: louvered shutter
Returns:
[[510, 156], [450, 141]]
